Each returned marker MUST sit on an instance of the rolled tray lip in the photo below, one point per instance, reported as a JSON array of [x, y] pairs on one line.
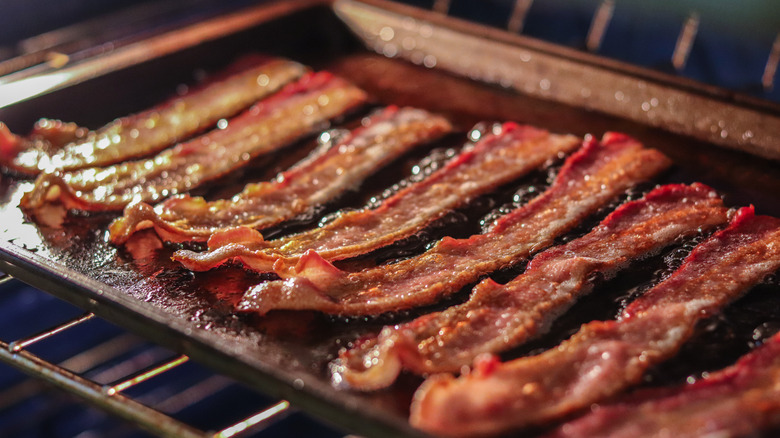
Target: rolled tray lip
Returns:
[[594, 60]]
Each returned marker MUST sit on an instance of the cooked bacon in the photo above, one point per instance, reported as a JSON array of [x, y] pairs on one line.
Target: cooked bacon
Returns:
[[385, 137], [604, 357], [295, 111], [152, 130], [741, 400], [588, 179], [498, 158], [496, 317]]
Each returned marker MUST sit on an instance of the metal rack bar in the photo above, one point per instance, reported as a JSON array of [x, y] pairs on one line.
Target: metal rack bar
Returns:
[[770, 71], [441, 6], [255, 422], [89, 391], [5, 278], [79, 363], [517, 18], [20, 344], [685, 41], [145, 375], [598, 27]]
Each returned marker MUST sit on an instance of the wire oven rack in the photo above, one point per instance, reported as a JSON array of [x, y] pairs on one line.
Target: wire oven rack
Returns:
[[109, 390], [76, 376]]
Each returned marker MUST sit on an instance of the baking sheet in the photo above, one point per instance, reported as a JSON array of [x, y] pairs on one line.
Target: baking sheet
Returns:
[[285, 355]]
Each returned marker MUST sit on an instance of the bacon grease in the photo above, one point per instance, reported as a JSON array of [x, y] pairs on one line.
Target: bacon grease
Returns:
[[741, 400], [324, 175], [603, 357], [589, 178], [497, 317]]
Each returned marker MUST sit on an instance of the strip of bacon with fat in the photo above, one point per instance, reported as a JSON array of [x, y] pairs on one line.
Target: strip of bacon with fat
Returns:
[[273, 123], [146, 132], [604, 357], [498, 158], [741, 400], [325, 174], [497, 317], [590, 178]]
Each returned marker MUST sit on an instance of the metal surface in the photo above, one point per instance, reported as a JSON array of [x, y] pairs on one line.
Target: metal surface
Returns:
[[92, 392], [20, 344], [285, 355], [598, 27], [256, 421], [770, 71], [68, 376], [570, 77], [54, 75]]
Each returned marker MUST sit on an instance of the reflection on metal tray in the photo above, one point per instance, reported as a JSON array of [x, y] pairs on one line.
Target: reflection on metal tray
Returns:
[[140, 288]]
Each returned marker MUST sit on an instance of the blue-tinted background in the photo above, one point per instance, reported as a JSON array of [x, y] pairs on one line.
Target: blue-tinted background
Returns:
[[730, 50]]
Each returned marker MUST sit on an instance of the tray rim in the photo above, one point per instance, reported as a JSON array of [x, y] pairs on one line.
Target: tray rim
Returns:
[[682, 106]]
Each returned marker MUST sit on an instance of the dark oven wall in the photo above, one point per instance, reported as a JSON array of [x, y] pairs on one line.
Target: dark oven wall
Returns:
[[732, 42]]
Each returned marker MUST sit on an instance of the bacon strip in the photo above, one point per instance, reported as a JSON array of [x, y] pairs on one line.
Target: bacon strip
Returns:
[[385, 137], [295, 111], [604, 357], [495, 160], [152, 130], [589, 178], [741, 400], [496, 317]]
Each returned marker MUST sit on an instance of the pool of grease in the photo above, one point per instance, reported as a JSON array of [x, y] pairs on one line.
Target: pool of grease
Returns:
[[293, 348]]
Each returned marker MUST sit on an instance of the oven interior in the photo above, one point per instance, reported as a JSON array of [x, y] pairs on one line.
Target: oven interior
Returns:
[[316, 36]]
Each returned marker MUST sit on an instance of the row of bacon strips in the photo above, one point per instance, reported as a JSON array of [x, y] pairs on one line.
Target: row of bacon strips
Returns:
[[604, 358], [600, 361], [99, 170], [299, 109], [54, 145]]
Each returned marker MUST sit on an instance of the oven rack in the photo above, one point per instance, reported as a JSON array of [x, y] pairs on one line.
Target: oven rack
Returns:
[[71, 376]]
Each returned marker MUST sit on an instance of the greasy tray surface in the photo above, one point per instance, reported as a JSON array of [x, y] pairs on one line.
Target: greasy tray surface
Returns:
[[286, 355]]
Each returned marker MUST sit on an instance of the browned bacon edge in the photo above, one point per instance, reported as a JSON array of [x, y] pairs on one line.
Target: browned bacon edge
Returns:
[[604, 357], [588, 179], [47, 137], [149, 131], [498, 158], [741, 400], [273, 123], [324, 175], [496, 317]]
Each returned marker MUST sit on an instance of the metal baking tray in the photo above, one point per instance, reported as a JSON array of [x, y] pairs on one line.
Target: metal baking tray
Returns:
[[403, 56]]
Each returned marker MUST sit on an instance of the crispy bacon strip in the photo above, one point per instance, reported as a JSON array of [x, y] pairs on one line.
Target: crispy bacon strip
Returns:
[[741, 400], [316, 180], [149, 131], [295, 111], [589, 178], [497, 159], [604, 357], [497, 317]]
